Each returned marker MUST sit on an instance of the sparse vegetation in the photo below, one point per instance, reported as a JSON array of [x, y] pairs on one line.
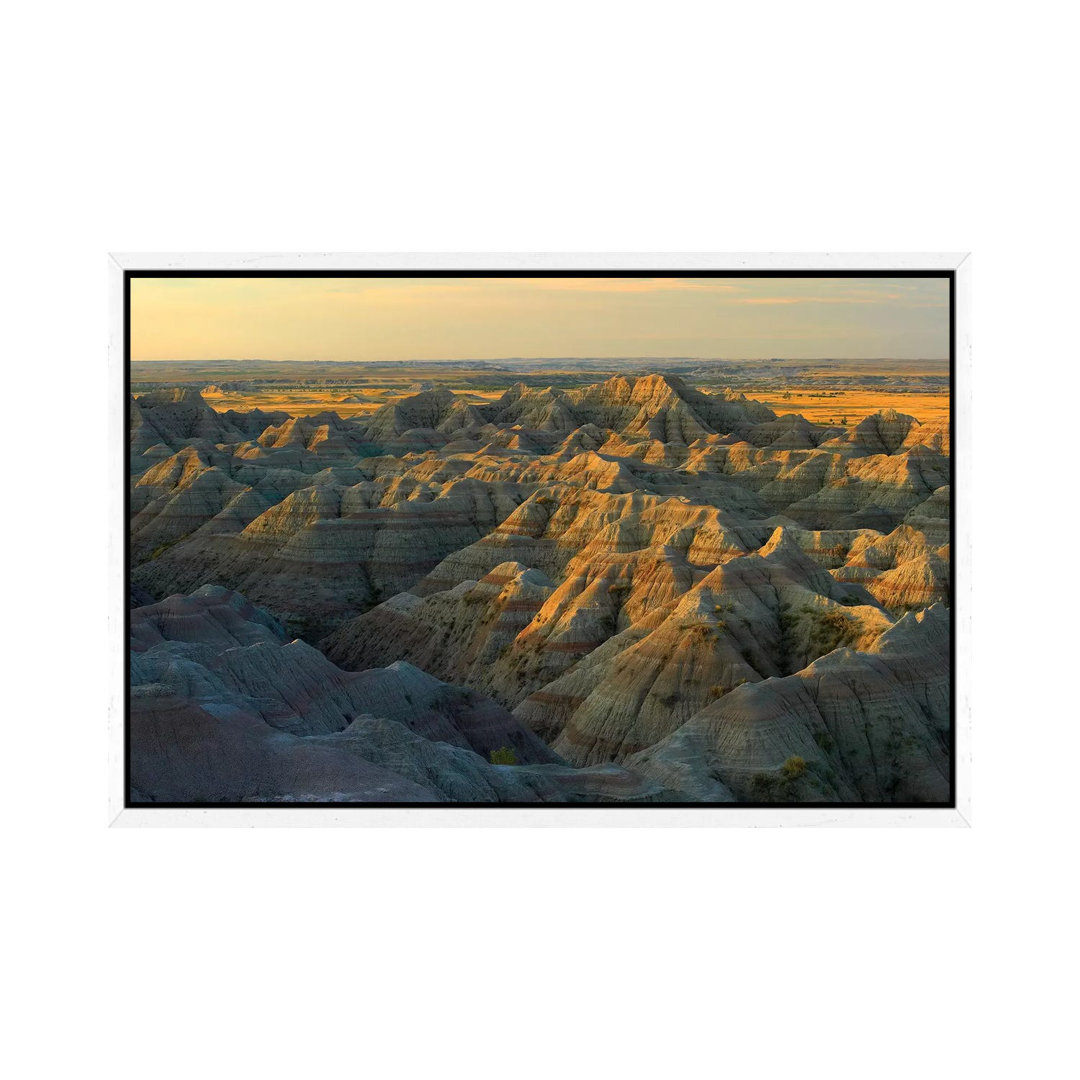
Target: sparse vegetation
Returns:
[[505, 755], [779, 786], [762, 783], [793, 768], [833, 630], [162, 548]]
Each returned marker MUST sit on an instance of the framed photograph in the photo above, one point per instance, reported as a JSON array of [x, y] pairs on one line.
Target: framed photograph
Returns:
[[540, 539]]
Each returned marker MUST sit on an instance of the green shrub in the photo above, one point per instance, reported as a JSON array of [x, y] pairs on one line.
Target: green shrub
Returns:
[[505, 755], [831, 629], [793, 768]]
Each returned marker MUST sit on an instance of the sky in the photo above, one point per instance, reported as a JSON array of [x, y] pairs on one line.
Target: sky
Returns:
[[379, 319]]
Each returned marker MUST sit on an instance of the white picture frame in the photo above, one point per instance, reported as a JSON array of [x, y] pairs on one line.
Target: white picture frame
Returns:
[[690, 816]]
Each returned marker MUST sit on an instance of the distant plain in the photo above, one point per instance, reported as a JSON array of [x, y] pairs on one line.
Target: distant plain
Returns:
[[839, 392]]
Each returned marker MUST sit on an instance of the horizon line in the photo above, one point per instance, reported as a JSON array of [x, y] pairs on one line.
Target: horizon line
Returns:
[[527, 359]]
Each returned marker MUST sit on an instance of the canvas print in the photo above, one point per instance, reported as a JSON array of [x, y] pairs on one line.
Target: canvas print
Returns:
[[539, 539]]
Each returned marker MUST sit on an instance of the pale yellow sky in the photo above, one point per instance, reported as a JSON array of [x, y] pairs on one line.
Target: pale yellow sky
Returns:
[[377, 319]]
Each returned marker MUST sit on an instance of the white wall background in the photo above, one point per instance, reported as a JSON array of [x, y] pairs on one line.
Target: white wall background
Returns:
[[928, 126]]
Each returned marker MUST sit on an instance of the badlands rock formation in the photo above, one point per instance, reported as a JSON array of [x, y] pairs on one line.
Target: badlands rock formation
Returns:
[[626, 591], [225, 708]]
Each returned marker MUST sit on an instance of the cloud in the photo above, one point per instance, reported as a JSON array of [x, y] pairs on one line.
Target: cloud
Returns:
[[434, 287], [881, 298], [622, 285], [502, 291]]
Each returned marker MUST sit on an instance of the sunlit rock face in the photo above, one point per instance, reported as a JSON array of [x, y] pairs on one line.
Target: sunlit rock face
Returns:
[[630, 590]]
